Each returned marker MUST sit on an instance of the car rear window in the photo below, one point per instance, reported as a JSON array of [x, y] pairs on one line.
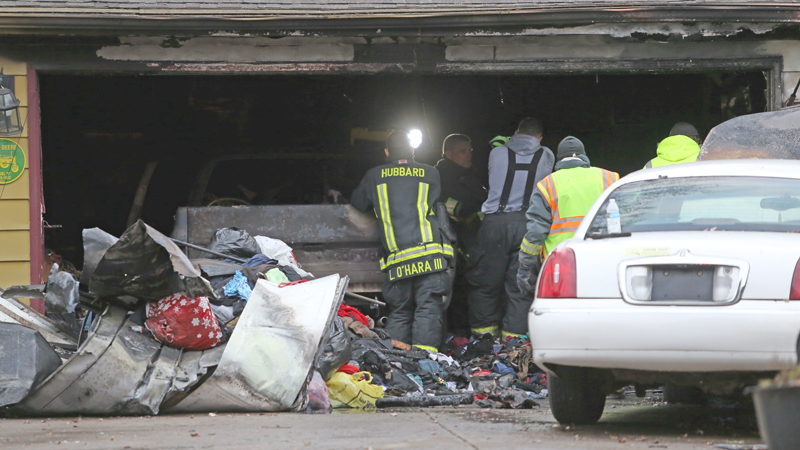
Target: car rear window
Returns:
[[706, 203]]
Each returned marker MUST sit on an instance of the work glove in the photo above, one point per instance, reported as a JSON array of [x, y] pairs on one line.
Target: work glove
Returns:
[[526, 278]]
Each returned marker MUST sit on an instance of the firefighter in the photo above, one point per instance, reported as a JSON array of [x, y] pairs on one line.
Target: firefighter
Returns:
[[682, 146], [557, 207], [463, 194], [495, 301], [414, 252]]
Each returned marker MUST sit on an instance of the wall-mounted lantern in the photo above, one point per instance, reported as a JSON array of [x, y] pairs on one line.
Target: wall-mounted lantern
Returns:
[[9, 107]]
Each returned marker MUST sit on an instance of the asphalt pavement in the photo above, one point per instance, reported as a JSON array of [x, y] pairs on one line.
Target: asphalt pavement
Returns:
[[630, 423]]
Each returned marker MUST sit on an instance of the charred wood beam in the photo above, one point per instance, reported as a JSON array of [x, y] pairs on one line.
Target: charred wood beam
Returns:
[[104, 22]]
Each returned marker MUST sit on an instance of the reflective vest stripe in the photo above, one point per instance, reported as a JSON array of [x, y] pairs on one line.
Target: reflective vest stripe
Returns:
[[609, 178], [568, 222], [386, 217], [416, 252], [422, 210], [546, 188], [553, 193], [564, 230], [531, 249], [551, 190], [543, 189], [649, 165]]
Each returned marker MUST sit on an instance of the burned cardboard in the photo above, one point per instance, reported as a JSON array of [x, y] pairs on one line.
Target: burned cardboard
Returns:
[[145, 264], [26, 359]]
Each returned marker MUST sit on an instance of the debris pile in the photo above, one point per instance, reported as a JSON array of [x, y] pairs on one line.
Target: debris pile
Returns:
[[143, 329], [495, 375]]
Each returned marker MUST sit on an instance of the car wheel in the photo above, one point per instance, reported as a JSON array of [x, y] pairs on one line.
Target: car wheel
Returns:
[[684, 395], [577, 395]]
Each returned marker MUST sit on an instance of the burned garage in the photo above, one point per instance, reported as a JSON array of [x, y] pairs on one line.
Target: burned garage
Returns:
[[149, 102], [204, 159], [288, 139]]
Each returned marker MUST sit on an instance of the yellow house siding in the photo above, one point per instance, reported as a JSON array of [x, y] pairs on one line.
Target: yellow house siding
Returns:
[[15, 266], [14, 215], [15, 245], [13, 273]]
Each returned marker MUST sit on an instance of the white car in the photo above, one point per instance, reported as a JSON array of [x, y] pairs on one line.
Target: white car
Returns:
[[700, 288]]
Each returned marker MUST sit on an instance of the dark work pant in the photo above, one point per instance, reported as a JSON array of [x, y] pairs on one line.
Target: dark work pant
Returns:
[[458, 312], [495, 301], [415, 308]]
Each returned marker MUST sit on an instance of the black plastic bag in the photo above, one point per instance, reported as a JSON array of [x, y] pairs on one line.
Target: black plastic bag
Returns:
[[145, 264], [334, 351], [234, 242], [95, 244]]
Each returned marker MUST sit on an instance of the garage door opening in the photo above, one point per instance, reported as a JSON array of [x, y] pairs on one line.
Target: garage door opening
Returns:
[[99, 133]]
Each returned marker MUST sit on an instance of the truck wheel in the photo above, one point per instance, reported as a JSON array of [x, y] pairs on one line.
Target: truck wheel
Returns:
[[684, 395], [577, 395]]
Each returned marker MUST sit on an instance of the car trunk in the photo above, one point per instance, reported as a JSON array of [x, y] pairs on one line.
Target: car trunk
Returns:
[[770, 265]]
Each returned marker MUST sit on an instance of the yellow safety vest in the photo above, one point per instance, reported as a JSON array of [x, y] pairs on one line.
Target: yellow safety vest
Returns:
[[570, 193]]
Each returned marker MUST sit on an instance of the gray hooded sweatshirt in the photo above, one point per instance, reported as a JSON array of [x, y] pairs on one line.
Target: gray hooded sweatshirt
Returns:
[[524, 147]]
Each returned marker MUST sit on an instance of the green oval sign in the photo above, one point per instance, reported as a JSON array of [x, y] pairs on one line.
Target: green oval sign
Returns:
[[12, 161]]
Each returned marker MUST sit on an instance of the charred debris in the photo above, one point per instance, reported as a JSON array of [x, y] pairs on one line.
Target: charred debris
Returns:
[[142, 330]]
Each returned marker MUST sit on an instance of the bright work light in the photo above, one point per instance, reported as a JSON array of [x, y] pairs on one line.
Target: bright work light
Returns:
[[415, 136]]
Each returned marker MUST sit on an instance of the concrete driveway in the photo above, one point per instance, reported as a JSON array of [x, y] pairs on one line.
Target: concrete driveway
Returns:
[[627, 424]]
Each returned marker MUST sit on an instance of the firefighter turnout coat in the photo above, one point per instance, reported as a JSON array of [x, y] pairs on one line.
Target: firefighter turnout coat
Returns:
[[403, 194]]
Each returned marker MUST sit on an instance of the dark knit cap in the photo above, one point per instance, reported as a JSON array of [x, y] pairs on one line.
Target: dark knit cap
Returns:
[[683, 129], [569, 146]]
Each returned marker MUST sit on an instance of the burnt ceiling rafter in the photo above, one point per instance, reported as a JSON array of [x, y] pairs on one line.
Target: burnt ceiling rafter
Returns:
[[197, 16]]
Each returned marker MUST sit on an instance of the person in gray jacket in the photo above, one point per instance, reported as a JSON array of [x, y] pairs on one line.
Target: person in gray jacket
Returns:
[[495, 302]]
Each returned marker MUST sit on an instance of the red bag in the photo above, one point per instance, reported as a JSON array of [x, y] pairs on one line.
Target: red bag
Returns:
[[349, 311], [183, 322]]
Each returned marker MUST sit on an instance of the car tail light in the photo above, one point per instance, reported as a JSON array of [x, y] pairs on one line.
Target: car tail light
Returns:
[[794, 292], [558, 278]]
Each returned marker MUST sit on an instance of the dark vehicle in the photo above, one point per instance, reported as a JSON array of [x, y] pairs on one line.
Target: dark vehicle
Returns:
[[767, 135]]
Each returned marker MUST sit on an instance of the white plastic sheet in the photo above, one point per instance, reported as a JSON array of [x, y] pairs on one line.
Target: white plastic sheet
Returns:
[[268, 360], [277, 249]]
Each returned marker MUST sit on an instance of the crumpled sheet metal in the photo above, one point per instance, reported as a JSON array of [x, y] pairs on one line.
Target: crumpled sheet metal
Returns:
[[268, 359], [100, 338], [13, 311], [768, 135], [118, 370], [194, 368], [26, 359], [24, 291], [143, 264]]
